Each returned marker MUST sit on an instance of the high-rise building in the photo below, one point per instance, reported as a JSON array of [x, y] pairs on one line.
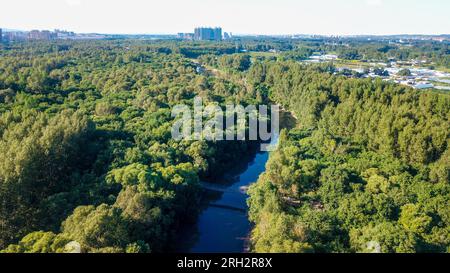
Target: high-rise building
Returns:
[[208, 34], [227, 35], [15, 36], [218, 33], [41, 35]]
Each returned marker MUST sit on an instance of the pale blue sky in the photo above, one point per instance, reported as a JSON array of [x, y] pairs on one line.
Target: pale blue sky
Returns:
[[330, 17]]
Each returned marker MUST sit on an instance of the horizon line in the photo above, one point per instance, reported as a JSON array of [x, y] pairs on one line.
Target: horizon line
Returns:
[[7, 29]]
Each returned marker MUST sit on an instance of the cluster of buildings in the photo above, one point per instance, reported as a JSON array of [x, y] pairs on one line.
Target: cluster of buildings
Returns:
[[417, 74], [419, 77], [14, 36], [35, 35], [199, 34], [416, 77], [209, 34], [45, 35], [322, 58], [63, 34], [205, 34]]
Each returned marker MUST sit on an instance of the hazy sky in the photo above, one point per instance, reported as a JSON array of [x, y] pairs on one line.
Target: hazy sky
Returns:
[[331, 17]]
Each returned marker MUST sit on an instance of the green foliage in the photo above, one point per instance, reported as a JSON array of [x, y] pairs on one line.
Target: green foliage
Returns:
[[87, 158], [383, 238], [413, 220], [39, 242], [233, 62], [404, 72], [85, 138], [41, 157], [365, 171], [97, 228]]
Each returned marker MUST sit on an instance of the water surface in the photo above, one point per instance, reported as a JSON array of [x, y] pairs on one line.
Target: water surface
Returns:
[[223, 225]]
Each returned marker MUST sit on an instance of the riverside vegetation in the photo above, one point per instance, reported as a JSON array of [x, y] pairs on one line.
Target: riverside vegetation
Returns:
[[87, 154]]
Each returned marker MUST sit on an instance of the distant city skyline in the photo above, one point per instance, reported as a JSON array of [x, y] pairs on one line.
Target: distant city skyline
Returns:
[[262, 17]]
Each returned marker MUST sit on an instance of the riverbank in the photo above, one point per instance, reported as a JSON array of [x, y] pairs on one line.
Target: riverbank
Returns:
[[223, 225]]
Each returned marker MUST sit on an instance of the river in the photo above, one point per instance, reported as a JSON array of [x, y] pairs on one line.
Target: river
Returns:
[[223, 225]]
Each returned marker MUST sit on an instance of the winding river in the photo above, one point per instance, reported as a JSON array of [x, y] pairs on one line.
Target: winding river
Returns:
[[223, 225]]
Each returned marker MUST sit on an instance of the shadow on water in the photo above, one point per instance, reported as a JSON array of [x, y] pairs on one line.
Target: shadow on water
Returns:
[[223, 225]]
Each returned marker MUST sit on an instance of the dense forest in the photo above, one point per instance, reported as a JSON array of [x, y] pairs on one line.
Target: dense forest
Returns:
[[88, 159], [366, 170], [86, 146]]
